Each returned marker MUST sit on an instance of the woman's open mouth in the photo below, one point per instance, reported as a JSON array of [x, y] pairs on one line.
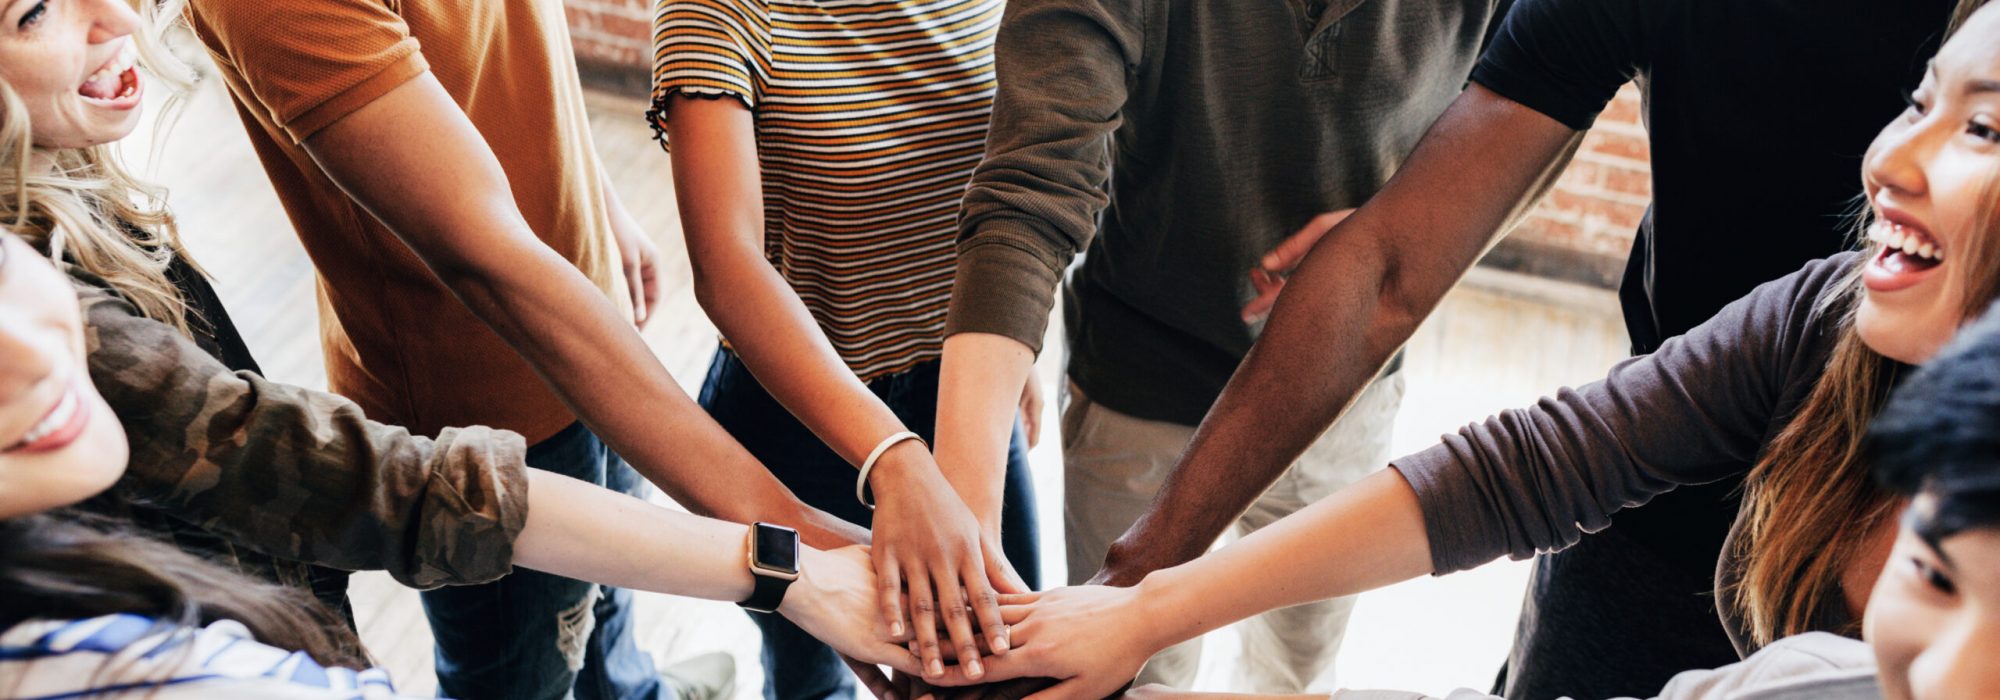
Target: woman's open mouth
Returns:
[[62, 425], [1908, 253], [115, 85]]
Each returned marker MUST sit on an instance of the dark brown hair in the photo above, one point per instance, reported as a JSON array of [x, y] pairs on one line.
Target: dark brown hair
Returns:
[[68, 566]]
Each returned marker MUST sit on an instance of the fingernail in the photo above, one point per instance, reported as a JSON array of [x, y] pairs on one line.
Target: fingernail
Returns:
[[896, 629], [1000, 644], [935, 669], [973, 669]]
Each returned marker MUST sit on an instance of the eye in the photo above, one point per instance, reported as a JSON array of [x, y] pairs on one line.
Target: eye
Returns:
[[1933, 577], [34, 14], [1917, 106], [1982, 131]]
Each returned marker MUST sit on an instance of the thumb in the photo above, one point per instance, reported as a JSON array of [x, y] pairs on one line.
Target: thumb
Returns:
[[1001, 572]]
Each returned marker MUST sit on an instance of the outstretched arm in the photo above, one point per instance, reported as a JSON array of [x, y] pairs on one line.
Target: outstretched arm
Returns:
[[1353, 302], [414, 161], [925, 537]]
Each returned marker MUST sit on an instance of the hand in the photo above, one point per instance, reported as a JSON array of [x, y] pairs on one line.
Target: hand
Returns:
[[1092, 639], [1269, 275], [928, 541], [834, 601], [1031, 411], [641, 258]]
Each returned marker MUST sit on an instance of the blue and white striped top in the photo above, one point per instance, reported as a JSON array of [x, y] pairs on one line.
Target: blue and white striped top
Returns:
[[104, 656]]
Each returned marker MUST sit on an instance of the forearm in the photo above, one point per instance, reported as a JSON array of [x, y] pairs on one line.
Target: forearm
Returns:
[[463, 222], [979, 384], [1348, 308], [659, 550], [1366, 536]]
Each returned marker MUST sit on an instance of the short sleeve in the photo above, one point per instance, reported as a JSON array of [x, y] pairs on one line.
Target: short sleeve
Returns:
[[1567, 58], [305, 64], [711, 48]]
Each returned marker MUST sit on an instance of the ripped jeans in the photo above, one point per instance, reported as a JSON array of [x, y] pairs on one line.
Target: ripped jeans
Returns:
[[535, 635]]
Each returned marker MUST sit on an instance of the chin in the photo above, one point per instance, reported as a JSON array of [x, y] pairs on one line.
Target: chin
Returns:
[[1910, 336]]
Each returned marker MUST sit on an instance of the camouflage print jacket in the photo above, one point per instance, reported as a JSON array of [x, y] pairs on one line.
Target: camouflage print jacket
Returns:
[[283, 475]]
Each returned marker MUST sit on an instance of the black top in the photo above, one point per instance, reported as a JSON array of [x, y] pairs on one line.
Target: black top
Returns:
[[1758, 112]]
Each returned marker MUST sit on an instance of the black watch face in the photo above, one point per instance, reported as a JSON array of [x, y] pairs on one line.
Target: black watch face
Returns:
[[777, 548]]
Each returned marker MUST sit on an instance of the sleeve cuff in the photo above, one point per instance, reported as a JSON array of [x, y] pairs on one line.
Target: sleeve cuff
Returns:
[[475, 508], [402, 70], [1452, 510], [1004, 289]]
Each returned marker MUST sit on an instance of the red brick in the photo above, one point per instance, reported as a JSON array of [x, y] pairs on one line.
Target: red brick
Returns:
[[1619, 145]]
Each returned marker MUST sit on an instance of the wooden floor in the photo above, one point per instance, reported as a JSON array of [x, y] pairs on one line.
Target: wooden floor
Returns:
[[1497, 342]]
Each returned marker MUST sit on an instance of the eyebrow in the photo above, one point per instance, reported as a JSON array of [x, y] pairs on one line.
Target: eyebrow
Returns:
[[1979, 86]]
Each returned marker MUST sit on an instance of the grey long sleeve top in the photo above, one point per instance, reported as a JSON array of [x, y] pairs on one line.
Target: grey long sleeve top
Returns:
[[1705, 404]]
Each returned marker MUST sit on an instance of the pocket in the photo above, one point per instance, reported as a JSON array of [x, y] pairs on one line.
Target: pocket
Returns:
[[1075, 410], [1323, 41]]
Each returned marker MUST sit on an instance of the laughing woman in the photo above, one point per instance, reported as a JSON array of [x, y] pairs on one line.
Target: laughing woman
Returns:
[[1787, 378], [258, 469], [820, 150]]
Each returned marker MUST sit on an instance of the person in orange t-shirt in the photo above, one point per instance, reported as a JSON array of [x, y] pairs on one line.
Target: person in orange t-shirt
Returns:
[[468, 248]]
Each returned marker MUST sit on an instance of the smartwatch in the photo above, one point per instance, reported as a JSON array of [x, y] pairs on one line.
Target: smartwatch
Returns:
[[774, 563]]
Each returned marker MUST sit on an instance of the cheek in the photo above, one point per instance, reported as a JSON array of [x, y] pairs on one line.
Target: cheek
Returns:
[[34, 483], [1896, 629]]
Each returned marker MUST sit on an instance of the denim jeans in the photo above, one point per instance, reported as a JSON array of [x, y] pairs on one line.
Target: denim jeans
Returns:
[[796, 666], [537, 635]]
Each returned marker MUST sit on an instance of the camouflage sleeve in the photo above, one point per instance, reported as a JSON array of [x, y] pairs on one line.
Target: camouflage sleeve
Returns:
[[302, 474]]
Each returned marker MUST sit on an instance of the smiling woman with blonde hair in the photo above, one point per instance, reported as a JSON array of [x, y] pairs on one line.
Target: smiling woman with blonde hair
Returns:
[[270, 478]]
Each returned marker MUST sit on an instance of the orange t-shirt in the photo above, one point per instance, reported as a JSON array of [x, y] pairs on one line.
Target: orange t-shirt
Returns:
[[396, 341]]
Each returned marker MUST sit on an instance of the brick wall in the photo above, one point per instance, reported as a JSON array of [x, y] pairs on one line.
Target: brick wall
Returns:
[[1580, 232]]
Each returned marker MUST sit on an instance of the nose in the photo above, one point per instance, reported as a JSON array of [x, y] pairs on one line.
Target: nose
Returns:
[[110, 20], [1895, 160]]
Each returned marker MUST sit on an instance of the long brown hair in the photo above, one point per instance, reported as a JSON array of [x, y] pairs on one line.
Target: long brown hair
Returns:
[[69, 566], [1810, 505], [82, 206]]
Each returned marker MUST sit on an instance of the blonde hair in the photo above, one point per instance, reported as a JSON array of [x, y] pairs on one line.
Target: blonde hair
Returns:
[[81, 205], [1811, 505]]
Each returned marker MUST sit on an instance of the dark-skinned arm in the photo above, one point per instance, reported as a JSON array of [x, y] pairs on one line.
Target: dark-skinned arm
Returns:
[[414, 161], [1351, 305]]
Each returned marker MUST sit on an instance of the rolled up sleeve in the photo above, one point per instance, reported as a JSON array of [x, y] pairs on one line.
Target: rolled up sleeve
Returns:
[[301, 474]]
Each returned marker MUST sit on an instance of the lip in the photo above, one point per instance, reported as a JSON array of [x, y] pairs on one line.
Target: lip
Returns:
[[66, 431], [1881, 275]]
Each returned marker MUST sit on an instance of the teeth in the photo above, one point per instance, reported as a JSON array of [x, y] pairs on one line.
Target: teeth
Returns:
[[1896, 238], [57, 418], [127, 57]]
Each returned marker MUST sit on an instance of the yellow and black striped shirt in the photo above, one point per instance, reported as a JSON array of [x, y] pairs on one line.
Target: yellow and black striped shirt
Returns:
[[870, 116]]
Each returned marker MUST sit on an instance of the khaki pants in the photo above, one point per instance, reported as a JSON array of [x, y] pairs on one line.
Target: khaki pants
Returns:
[[1115, 463]]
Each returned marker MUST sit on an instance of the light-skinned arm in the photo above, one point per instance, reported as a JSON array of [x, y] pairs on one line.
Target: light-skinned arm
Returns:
[[1030, 208], [1095, 638], [683, 554], [1351, 305], [413, 159], [925, 537]]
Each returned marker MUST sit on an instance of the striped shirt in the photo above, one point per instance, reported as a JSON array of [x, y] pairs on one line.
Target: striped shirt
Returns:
[[114, 655], [870, 116]]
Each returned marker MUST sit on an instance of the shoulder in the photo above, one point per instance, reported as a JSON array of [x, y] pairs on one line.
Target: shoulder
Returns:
[[1815, 665]]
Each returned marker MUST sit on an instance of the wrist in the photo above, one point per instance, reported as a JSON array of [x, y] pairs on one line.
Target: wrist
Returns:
[[805, 592], [1162, 611]]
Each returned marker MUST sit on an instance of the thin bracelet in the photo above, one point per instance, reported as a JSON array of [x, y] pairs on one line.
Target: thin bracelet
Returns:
[[868, 465]]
